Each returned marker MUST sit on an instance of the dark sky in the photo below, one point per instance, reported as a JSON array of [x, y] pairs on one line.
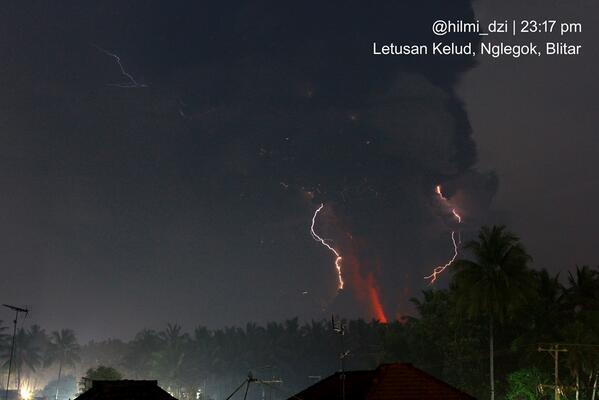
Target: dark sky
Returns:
[[535, 124], [190, 199]]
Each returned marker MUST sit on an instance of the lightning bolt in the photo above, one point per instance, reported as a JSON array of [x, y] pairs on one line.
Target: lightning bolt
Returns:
[[438, 270], [338, 258], [440, 193], [132, 82], [456, 215]]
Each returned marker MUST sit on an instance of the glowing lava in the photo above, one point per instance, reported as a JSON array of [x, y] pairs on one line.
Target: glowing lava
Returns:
[[338, 258], [438, 270], [377, 307]]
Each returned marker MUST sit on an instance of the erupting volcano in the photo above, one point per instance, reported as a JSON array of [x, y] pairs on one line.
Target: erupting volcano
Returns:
[[360, 273]]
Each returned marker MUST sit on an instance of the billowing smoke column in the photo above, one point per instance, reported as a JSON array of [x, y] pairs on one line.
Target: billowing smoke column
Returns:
[[314, 111], [297, 103], [249, 104], [304, 107]]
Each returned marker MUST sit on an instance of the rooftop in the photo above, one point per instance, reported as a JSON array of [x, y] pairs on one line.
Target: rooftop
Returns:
[[398, 381], [125, 390]]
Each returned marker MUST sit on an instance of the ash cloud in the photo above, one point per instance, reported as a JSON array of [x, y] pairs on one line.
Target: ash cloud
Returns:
[[192, 186]]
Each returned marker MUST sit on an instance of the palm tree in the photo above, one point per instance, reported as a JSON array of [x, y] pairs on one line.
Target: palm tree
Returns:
[[494, 283], [169, 360], [4, 341], [582, 299], [39, 337], [582, 294], [63, 349], [3, 336], [27, 354], [542, 317], [140, 353]]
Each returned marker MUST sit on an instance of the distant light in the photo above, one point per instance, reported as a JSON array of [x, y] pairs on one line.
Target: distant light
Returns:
[[26, 394]]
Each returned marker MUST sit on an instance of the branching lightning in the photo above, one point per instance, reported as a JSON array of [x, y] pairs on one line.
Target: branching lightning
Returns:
[[132, 82], [438, 270], [338, 258], [441, 268]]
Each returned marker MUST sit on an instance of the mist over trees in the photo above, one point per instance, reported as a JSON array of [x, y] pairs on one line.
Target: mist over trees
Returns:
[[489, 322]]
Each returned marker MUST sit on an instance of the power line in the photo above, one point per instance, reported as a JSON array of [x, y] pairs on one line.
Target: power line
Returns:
[[554, 351], [571, 344], [267, 383]]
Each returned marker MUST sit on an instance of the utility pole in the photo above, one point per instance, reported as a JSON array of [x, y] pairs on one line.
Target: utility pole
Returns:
[[17, 310], [554, 351]]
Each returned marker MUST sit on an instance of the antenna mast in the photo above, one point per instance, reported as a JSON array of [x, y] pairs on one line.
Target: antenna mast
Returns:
[[17, 310], [339, 329]]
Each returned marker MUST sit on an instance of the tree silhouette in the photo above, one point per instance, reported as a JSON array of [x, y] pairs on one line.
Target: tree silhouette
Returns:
[[495, 283], [64, 350]]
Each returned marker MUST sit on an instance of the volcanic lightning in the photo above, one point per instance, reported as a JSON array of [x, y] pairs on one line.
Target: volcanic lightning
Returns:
[[456, 215], [338, 258], [439, 192], [132, 82], [441, 268], [438, 270]]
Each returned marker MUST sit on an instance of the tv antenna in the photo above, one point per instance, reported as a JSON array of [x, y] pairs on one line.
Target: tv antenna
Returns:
[[339, 329], [17, 310], [248, 381]]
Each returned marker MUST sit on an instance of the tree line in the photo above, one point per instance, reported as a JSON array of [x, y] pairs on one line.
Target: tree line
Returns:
[[481, 334]]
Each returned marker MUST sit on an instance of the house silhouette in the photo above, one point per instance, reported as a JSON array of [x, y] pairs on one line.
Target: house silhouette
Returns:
[[125, 390], [398, 381]]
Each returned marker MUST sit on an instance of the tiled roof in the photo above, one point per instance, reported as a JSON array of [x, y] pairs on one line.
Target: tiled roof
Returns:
[[357, 384], [396, 381], [125, 390]]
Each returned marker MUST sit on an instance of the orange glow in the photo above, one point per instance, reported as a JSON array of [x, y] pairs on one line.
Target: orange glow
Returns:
[[338, 258], [375, 303], [364, 284], [360, 275], [439, 192]]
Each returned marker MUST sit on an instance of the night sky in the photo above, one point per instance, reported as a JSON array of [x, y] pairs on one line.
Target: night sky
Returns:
[[189, 197]]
